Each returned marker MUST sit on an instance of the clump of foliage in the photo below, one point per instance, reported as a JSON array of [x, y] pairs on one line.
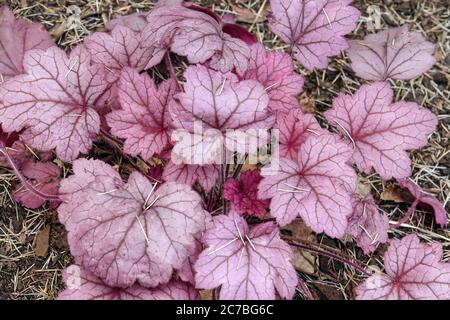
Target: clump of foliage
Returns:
[[167, 232]]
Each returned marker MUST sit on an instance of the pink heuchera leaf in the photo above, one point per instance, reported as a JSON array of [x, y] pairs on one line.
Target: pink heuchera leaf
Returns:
[[242, 194], [44, 177], [143, 119], [120, 48], [275, 71], [218, 102], [135, 21], [187, 272], [426, 201], [367, 224], [246, 263], [395, 53], [196, 35], [127, 233], [314, 187], [84, 285], [314, 29], [413, 272], [55, 101], [17, 37], [381, 131], [206, 175], [294, 128]]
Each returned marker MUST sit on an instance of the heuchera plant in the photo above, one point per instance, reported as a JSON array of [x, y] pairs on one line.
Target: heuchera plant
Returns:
[[176, 226]]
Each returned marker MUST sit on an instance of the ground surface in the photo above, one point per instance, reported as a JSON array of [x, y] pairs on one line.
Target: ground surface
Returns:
[[33, 247]]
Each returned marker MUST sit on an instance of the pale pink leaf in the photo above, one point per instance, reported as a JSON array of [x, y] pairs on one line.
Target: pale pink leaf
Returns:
[[84, 285], [246, 263], [395, 53], [143, 119], [275, 71], [414, 271], [44, 176], [294, 128], [55, 101], [242, 194], [426, 201], [314, 187], [196, 35], [17, 37], [367, 224], [206, 175], [187, 272], [217, 102], [314, 29], [380, 130], [135, 21], [127, 233]]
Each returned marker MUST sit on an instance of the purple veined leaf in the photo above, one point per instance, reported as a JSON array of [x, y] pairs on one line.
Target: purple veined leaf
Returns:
[[426, 201], [245, 263], [242, 194], [81, 284], [367, 224], [118, 49], [314, 29], [295, 128], [414, 271], [55, 101], [314, 187], [395, 53], [17, 37], [44, 176], [217, 103], [187, 272], [379, 130], [275, 71], [206, 175], [135, 21], [196, 35], [143, 119], [128, 233]]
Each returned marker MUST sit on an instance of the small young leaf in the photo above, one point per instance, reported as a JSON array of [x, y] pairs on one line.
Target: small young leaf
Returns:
[[314, 29], [381, 131], [242, 194], [395, 53], [314, 187], [247, 263], [413, 272], [206, 175], [143, 119], [367, 224], [127, 233], [55, 101], [84, 285]]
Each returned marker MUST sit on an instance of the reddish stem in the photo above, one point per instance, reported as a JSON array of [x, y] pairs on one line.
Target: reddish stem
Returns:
[[24, 180], [305, 290], [319, 250], [171, 69], [407, 215]]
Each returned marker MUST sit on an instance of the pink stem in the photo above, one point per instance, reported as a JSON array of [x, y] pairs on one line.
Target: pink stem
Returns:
[[407, 215], [23, 180], [312, 248], [305, 290]]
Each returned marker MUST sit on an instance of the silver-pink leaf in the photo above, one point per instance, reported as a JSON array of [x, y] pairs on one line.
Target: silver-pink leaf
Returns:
[[414, 271], [127, 233], [246, 263], [84, 285], [314, 29], [395, 53], [379, 130]]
